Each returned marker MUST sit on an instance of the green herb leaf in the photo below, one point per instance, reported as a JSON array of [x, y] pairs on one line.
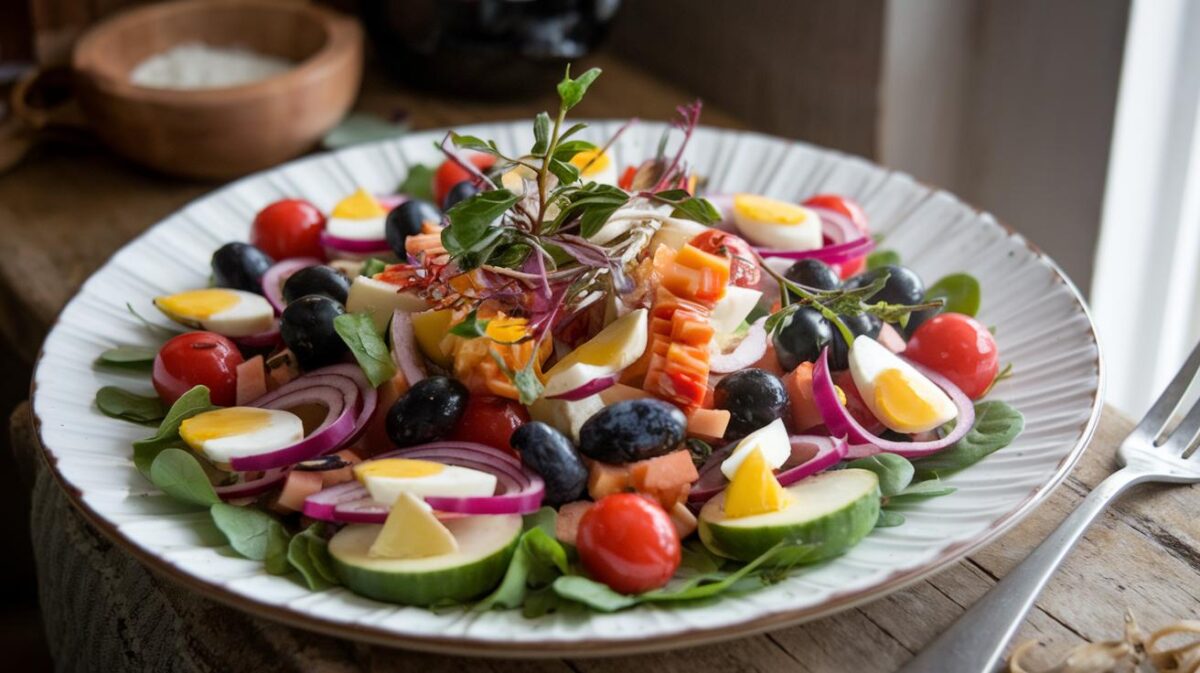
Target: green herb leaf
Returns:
[[541, 134], [418, 184], [575, 128], [540, 602], [180, 476], [473, 143], [538, 559], [470, 327], [1004, 373], [698, 209], [921, 490], [529, 386], [567, 151], [153, 327], [511, 256], [471, 221], [368, 347], [194, 401], [889, 519], [254, 534], [308, 553], [371, 267], [996, 425], [565, 172], [699, 449], [545, 518], [882, 258], [593, 594], [119, 403], [128, 357], [959, 291], [571, 91], [895, 472]]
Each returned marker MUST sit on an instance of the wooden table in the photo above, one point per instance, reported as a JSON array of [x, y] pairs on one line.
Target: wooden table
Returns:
[[67, 209]]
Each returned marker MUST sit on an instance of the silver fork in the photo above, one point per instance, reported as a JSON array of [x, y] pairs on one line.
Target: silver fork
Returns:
[[976, 642]]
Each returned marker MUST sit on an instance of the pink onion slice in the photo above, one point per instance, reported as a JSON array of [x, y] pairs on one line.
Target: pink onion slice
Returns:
[[752, 349], [353, 245], [810, 454], [404, 348], [274, 278], [588, 389], [263, 340], [843, 241], [842, 424], [251, 487], [330, 435], [390, 201], [322, 504]]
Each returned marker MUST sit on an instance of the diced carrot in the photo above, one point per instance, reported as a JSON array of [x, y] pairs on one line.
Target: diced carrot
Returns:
[[665, 478], [375, 438], [708, 424], [340, 475], [799, 385], [684, 520], [251, 380], [769, 361], [297, 486], [606, 479], [566, 526]]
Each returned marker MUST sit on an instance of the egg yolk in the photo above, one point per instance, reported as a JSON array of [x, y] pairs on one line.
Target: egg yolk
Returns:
[[397, 468], [358, 206], [507, 330], [754, 489], [900, 406], [591, 162], [197, 303], [770, 211], [222, 423]]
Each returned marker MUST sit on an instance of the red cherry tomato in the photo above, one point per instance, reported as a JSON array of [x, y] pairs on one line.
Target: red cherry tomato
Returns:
[[851, 209], [490, 420], [743, 267], [958, 347], [450, 174], [626, 180], [197, 359], [289, 228], [629, 543]]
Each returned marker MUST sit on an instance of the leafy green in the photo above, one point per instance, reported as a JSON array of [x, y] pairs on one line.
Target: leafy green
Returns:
[[471, 237], [894, 472], [368, 347], [564, 171], [120, 403], [180, 476], [153, 327], [996, 425], [128, 357], [882, 258], [889, 519], [571, 91], [473, 143], [254, 534], [418, 184], [194, 401], [371, 267], [537, 561], [593, 203], [529, 386], [308, 554], [697, 208], [921, 490], [960, 293], [470, 327], [541, 134]]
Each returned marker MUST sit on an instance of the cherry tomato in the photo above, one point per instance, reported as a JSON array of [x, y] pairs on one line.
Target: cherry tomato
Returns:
[[490, 420], [626, 180], [197, 359], [743, 267], [958, 347], [851, 209], [629, 543], [289, 228], [450, 173]]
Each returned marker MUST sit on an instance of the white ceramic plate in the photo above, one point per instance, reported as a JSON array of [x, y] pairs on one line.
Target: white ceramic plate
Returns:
[[1041, 325]]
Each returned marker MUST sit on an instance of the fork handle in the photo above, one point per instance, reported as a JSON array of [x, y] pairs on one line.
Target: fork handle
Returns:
[[976, 642]]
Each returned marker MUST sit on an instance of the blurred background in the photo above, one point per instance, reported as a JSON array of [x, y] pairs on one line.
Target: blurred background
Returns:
[[1074, 121]]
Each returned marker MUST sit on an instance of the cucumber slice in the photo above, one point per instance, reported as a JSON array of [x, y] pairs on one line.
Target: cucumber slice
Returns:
[[833, 511], [485, 546]]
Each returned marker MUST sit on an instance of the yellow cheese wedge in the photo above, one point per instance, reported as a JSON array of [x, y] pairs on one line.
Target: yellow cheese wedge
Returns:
[[430, 329], [412, 531], [754, 489]]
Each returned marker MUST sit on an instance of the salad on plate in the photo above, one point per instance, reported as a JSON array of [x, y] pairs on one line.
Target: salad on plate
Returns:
[[548, 382]]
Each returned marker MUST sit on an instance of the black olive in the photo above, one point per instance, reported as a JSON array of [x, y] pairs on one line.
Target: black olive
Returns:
[[839, 350], [427, 412], [918, 318], [307, 328], [801, 338], [408, 219], [632, 430], [460, 192], [240, 266], [813, 273], [325, 281], [549, 453], [753, 398], [903, 285]]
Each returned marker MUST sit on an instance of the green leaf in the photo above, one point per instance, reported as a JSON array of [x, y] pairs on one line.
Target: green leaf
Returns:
[[575, 128], [593, 594], [471, 326], [567, 151], [153, 327], [571, 91], [698, 209], [254, 534], [529, 386], [541, 134], [194, 401], [996, 425], [418, 184], [473, 143], [128, 357], [921, 490], [180, 476], [538, 559], [471, 220], [511, 256], [699, 449], [371, 267], [368, 347], [362, 127], [545, 519], [565, 172], [308, 553], [882, 258], [119, 403], [540, 602], [959, 291], [894, 472], [889, 519]]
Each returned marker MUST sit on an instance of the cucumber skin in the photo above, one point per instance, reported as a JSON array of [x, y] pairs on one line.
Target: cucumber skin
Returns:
[[747, 544], [423, 589]]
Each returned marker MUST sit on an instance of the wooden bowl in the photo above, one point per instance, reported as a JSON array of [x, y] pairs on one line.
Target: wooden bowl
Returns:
[[219, 133]]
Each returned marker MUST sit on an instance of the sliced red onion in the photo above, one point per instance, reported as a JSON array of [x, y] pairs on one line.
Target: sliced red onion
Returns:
[[404, 348], [752, 349], [268, 339], [322, 504], [891, 339], [810, 454], [843, 241], [588, 389], [331, 435], [274, 278], [252, 487], [356, 246], [840, 423], [390, 201]]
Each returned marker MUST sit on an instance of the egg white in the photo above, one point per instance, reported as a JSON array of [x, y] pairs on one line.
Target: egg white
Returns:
[[804, 235], [869, 358], [282, 429], [366, 229], [452, 481], [772, 439], [252, 314]]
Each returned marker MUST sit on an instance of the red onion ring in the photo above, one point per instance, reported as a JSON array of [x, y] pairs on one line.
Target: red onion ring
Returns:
[[274, 278], [321, 505], [390, 201], [752, 349], [810, 454], [588, 389], [842, 424], [352, 245], [329, 436], [260, 484], [843, 241], [404, 348], [268, 339]]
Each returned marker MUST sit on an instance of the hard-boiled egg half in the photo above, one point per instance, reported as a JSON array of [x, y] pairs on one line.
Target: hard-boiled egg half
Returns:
[[358, 217], [237, 432], [616, 347], [232, 313], [595, 166], [387, 478], [897, 394], [776, 224], [770, 440]]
